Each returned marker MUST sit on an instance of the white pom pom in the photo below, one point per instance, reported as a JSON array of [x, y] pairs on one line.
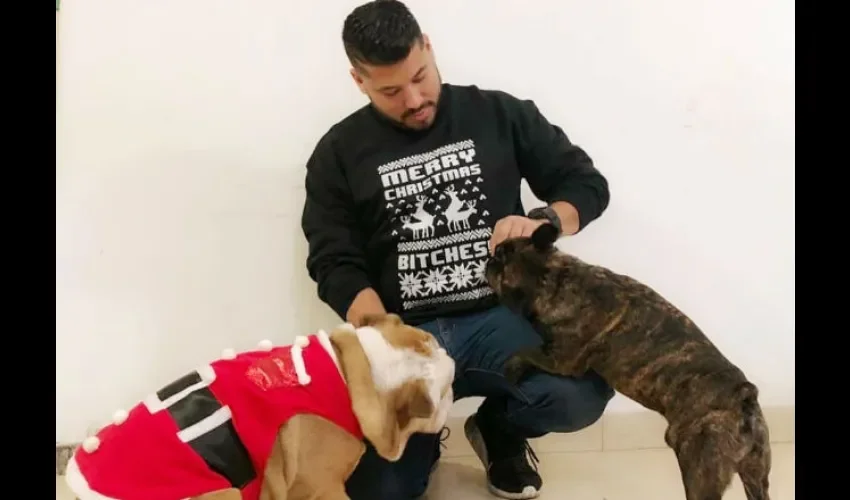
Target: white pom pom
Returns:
[[91, 444], [302, 341], [228, 354], [265, 345], [119, 417], [304, 379]]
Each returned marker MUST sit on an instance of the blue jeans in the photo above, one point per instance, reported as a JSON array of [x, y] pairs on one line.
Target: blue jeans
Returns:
[[480, 344]]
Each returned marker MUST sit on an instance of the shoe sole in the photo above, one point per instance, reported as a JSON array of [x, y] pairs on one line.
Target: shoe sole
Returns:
[[476, 440]]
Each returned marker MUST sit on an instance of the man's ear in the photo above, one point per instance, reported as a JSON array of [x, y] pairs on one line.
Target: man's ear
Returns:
[[358, 79], [545, 236]]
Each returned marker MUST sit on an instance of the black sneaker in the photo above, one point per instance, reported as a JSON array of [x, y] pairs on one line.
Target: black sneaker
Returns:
[[511, 466]]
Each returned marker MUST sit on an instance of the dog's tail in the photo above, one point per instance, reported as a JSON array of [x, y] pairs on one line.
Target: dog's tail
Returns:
[[748, 395]]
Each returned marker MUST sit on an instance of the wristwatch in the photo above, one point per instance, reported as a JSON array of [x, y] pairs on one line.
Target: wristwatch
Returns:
[[547, 213]]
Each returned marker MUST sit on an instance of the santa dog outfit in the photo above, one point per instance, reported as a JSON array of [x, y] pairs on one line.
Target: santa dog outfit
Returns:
[[214, 428]]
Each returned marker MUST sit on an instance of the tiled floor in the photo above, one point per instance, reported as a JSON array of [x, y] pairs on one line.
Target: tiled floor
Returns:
[[610, 475], [590, 475]]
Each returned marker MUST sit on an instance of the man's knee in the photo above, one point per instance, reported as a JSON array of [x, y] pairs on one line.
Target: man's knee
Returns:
[[560, 404], [391, 485], [407, 479]]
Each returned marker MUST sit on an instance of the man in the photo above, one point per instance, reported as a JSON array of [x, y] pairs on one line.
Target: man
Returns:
[[406, 198]]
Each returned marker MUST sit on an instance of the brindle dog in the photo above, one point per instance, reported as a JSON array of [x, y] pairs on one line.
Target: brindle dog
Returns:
[[594, 319]]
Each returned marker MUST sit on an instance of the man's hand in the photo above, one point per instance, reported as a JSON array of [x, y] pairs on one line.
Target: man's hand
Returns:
[[513, 226], [366, 302]]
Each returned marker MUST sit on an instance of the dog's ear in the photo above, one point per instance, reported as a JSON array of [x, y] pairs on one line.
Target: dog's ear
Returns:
[[413, 401], [398, 412], [393, 319], [381, 318], [406, 404], [380, 414], [545, 236], [374, 413]]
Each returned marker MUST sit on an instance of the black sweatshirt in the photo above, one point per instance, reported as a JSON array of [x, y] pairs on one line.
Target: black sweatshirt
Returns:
[[410, 213]]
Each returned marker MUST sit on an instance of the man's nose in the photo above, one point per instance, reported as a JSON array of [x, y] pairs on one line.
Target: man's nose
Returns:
[[413, 99]]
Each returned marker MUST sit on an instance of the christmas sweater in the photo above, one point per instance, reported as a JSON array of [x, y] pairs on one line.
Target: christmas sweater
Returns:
[[410, 213], [214, 428]]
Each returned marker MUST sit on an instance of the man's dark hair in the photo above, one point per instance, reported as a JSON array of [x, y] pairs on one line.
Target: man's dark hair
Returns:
[[380, 33]]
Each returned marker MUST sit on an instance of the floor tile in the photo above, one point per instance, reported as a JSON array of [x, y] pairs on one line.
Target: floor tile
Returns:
[[592, 475], [587, 439], [611, 475]]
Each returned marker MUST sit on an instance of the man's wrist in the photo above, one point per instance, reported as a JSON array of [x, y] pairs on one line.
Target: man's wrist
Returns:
[[365, 302], [547, 214], [569, 215]]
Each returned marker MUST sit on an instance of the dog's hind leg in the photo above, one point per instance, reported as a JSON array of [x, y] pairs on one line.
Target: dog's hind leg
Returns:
[[754, 468], [706, 470], [754, 471]]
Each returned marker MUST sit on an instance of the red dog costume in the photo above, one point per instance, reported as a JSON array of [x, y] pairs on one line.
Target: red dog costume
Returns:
[[213, 429]]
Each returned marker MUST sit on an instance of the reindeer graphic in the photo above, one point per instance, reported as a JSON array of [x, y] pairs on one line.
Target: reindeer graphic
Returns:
[[456, 203], [423, 216], [419, 228], [459, 219]]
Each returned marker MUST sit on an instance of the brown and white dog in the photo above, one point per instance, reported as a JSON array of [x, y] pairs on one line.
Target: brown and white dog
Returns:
[[279, 423]]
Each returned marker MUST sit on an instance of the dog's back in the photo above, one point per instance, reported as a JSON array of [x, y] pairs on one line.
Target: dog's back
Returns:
[[653, 353], [646, 348], [659, 357]]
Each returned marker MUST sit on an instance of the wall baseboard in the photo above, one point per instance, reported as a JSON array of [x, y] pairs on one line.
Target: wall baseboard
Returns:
[[616, 431], [63, 455]]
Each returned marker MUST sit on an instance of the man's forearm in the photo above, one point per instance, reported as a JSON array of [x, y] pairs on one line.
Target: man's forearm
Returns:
[[366, 302], [569, 216]]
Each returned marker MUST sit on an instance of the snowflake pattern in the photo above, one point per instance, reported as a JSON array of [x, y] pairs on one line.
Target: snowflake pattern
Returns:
[[411, 285], [435, 281], [461, 275], [478, 277], [451, 278]]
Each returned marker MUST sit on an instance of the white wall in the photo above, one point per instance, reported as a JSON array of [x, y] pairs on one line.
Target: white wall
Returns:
[[183, 127]]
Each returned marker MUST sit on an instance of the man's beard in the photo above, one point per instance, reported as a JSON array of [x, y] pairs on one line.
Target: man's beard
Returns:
[[401, 123]]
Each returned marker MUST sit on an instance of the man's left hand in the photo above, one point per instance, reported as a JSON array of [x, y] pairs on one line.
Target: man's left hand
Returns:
[[513, 226]]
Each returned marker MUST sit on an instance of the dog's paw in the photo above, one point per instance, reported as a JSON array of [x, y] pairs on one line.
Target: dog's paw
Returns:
[[516, 369]]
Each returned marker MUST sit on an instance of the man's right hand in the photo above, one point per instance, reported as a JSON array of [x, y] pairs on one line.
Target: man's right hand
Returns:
[[365, 303]]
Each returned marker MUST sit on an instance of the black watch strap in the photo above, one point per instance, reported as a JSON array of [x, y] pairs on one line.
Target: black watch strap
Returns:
[[547, 213]]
